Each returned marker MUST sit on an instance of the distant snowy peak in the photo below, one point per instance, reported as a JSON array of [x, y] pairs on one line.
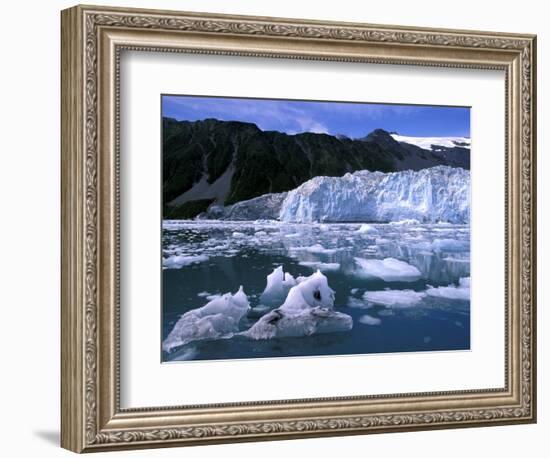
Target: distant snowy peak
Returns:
[[432, 143]]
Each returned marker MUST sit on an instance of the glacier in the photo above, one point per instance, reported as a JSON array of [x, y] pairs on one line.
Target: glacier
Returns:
[[437, 194], [433, 195]]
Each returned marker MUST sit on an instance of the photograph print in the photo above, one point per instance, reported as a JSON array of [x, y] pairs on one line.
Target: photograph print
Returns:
[[300, 228]]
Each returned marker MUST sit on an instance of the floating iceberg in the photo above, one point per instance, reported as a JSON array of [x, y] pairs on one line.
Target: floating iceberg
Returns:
[[368, 229], [395, 298], [460, 292], [388, 269], [219, 318], [436, 194], [178, 261], [308, 309], [277, 288], [322, 266], [370, 320]]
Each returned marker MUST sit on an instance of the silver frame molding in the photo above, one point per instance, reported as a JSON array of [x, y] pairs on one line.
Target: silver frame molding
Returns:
[[92, 40]]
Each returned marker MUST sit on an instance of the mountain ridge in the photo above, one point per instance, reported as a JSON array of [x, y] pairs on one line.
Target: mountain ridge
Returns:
[[225, 162]]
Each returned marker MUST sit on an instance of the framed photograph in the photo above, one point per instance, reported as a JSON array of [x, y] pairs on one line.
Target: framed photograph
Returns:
[[279, 228]]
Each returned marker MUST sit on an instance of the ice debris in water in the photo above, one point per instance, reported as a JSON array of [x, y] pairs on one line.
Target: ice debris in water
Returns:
[[308, 309], [322, 266], [460, 292], [177, 261], [388, 269], [370, 320], [368, 229], [277, 288], [394, 298], [219, 318]]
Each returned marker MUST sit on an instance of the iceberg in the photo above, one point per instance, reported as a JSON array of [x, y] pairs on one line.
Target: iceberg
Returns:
[[430, 195], [460, 292], [178, 261], [277, 288], [308, 309], [218, 319], [368, 229], [370, 320], [388, 269], [395, 298]]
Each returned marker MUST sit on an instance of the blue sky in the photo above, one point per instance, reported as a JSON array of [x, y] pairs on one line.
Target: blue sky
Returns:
[[351, 119]]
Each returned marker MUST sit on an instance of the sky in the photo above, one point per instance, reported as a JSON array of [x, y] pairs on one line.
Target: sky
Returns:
[[354, 120]]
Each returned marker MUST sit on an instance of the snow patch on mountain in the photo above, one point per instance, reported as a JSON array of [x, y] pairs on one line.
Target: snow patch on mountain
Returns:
[[432, 143]]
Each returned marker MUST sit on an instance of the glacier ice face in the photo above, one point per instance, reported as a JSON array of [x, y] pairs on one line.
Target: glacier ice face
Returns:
[[308, 309], [430, 195], [219, 318]]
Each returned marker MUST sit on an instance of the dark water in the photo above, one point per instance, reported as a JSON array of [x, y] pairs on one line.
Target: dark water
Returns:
[[217, 261]]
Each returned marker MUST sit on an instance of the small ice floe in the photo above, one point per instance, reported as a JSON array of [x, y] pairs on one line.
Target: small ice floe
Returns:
[[203, 294], [218, 319], [308, 309], [357, 303], [388, 269], [277, 288], [178, 261], [238, 235], [322, 266], [354, 290], [405, 222], [369, 320], [368, 230], [460, 292], [395, 298]]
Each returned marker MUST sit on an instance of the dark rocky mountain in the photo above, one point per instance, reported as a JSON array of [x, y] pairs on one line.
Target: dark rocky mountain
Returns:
[[225, 162]]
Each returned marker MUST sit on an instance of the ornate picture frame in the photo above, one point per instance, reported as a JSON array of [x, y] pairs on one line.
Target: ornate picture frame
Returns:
[[92, 41]]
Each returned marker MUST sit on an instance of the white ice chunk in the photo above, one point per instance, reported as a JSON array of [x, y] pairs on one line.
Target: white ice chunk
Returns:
[[217, 319], [322, 266], [367, 229], [388, 269], [177, 261], [394, 298], [307, 310], [460, 292], [278, 285], [370, 320]]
